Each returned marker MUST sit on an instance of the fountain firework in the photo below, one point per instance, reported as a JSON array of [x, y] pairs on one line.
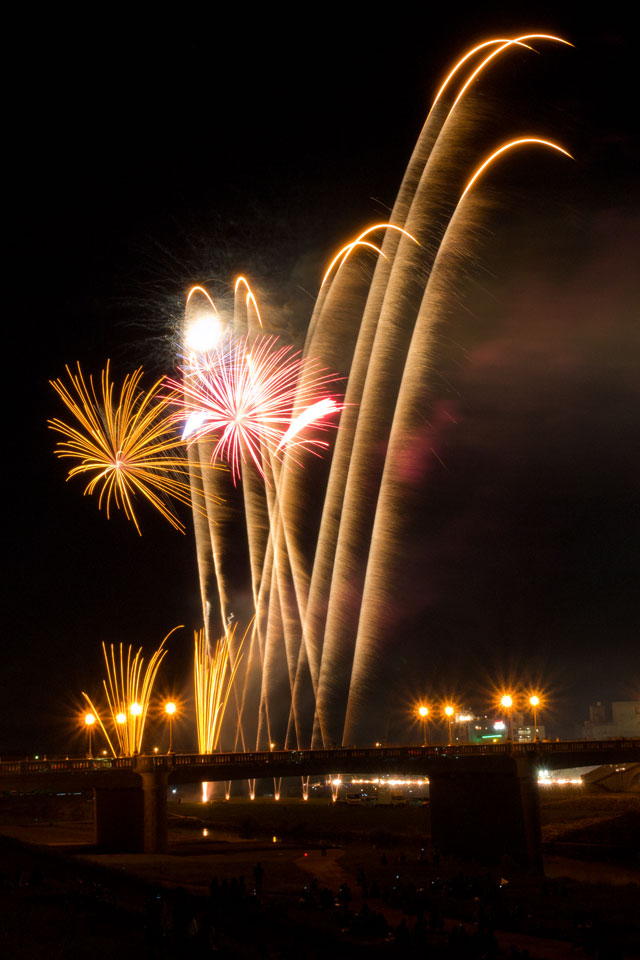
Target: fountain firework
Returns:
[[213, 675], [214, 672], [325, 547], [128, 691]]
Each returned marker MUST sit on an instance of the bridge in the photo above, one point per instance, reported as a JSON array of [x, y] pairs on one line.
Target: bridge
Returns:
[[484, 799]]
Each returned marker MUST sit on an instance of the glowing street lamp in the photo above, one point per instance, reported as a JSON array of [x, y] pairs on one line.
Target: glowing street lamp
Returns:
[[507, 703], [534, 700], [89, 720], [170, 709], [449, 711], [423, 713]]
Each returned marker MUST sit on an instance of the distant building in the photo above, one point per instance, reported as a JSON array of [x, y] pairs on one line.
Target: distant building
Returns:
[[472, 729], [525, 734], [494, 729], [622, 720]]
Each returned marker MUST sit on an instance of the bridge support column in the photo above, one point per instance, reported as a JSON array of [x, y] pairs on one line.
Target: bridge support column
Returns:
[[119, 819], [485, 808], [134, 819], [156, 826]]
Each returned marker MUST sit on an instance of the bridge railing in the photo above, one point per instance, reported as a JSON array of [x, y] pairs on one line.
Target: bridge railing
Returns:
[[62, 766], [339, 758], [343, 755]]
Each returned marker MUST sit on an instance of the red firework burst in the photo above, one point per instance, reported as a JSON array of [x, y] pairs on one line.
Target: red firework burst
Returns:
[[255, 399]]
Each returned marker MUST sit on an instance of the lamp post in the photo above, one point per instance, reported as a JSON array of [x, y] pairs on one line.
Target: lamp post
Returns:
[[534, 700], [89, 719], [423, 713], [170, 709], [449, 711], [507, 703]]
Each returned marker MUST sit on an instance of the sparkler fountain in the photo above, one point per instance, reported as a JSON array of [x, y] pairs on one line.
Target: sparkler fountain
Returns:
[[128, 692], [325, 572]]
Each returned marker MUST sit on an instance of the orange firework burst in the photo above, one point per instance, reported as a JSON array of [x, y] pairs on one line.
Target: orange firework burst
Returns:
[[127, 447]]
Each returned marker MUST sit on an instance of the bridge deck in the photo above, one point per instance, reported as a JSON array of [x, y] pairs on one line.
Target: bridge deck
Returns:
[[484, 801], [185, 768]]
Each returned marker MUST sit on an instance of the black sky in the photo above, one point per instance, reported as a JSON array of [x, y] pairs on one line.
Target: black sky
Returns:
[[146, 156]]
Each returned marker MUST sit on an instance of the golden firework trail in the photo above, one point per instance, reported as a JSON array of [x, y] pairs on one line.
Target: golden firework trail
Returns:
[[327, 557], [393, 507], [214, 672], [256, 400], [343, 255], [128, 687], [126, 444]]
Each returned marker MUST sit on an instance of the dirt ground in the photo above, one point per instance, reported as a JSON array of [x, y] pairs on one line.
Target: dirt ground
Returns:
[[320, 846]]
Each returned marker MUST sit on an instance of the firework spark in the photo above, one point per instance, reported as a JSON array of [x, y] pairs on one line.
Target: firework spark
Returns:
[[250, 297], [255, 398], [126, 445], [359, 241], [128, 690], [328, 565], [213, 675]]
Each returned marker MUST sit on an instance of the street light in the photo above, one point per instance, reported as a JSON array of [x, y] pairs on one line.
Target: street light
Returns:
[[423, 713], [535, 703], [449, 711], [89, 719], [170, 709], [507, 703]]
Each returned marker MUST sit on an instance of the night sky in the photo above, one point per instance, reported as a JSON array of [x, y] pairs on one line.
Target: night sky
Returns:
[[146, 157]]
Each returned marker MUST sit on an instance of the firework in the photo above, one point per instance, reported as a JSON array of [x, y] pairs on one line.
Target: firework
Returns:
[[126, 445], [255, 399], [344, 254], [250, 299], [213, 674], [346, 620], [383, 578], [328, 561], [128, 687]]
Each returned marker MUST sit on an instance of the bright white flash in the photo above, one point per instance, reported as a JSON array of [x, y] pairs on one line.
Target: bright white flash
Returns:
[[309, 415], [203, 333], [194, 421]]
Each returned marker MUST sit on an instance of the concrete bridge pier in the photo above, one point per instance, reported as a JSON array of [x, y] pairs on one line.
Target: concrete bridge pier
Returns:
[[155, 817], [133, 819], [486, 810]]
